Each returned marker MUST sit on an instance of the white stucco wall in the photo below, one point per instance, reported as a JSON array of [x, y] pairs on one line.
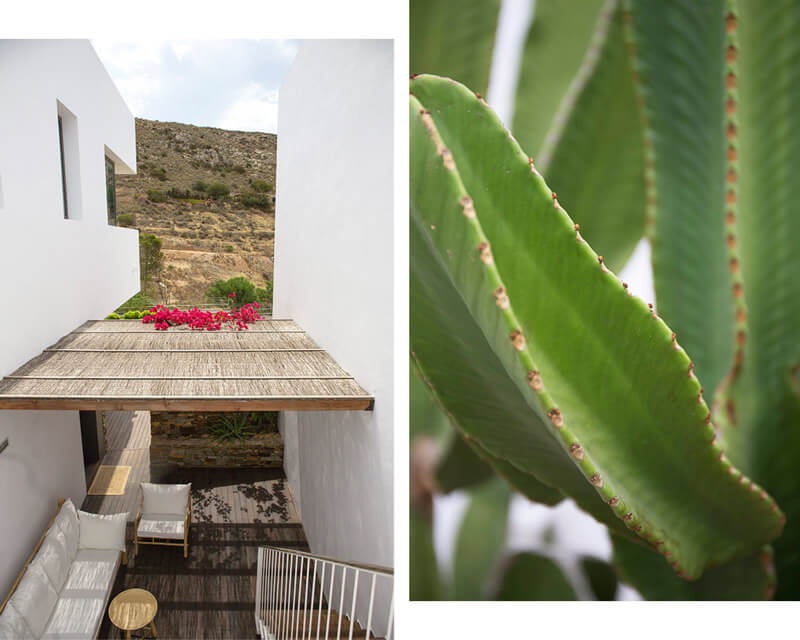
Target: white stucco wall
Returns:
[[56, 273], [333, 275]]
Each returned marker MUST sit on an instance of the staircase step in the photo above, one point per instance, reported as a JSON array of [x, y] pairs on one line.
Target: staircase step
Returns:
[[311, 623]]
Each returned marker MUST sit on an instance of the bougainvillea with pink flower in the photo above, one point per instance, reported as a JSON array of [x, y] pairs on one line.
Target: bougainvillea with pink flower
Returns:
[[199, 320]]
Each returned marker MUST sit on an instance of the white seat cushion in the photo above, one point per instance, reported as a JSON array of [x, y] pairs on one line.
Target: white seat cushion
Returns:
[[53, 557], [161, 525], [67, 521], [35, 598], [165, 498], [102, 532], [80, 607], [13, 625]]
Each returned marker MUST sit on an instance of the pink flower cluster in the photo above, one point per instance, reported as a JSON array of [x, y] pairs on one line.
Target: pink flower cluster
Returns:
[[163, 318]]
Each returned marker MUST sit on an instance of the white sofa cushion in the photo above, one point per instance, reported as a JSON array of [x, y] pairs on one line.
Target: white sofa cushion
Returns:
[[83, 599], [35, 598], [102, 532], [67, 521], [162, 525], [13, 625], [165, 498], [53, 558]]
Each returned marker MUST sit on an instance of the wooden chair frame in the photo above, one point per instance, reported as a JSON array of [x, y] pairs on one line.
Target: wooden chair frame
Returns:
[[166, 542], [38, 546]]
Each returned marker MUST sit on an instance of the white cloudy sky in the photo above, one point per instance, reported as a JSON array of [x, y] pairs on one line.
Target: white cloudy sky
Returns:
[[231, 84]]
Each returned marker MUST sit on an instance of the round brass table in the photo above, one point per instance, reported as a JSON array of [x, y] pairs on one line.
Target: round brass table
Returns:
[[133, 609]]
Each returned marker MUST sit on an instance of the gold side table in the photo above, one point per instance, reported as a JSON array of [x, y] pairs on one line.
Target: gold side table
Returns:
[[133, 609]]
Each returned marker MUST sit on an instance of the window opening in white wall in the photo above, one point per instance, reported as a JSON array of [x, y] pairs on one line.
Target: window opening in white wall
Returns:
[[63, 169], [111, 192], [70, 160]]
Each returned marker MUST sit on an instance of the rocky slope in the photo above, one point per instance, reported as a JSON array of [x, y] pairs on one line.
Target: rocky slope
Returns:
[[203, 239]]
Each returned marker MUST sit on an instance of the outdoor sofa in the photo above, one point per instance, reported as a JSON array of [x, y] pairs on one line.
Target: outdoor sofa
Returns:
[[64, 587]]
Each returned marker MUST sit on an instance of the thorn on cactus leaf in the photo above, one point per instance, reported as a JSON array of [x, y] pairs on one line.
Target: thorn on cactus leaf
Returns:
[[730, 23], [447, 159], [614, 501], [737, 290], [667, 553], [731, 131], [517, 339], [730, 106], [624, 285], [741, 336], [730, 81], [556, 418], [468, 207], [731, 241], [657, 543], [730, 198], [691, 366], [730, 54], [501, 298], [576, 451], [535, 380], [762, 494], [555, 200], [637, 528], [628, 517], [596, 480], [675, 342], [486, 253], [414, 75], [732, 176], [732, 470], [477, 95], [734, 264], [708, 418], [740, 315], [742, 479]]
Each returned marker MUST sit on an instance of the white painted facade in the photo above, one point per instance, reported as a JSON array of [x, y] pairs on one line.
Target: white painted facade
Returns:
[[333, 275], [57, 273]]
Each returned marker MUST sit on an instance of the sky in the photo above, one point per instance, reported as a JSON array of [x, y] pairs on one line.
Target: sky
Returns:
[[230, 84]]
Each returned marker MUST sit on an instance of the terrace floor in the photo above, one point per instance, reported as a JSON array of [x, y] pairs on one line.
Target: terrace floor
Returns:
[[210, 594]]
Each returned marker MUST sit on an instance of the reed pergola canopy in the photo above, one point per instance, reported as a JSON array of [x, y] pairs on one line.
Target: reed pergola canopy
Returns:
[[127, 365]]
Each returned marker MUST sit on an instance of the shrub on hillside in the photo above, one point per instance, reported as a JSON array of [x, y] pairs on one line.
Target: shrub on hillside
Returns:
[[199, 186], [154, 195], [126, 220], [218, 190], [260, 186], [257, 200], [161, 173], [244, 291]]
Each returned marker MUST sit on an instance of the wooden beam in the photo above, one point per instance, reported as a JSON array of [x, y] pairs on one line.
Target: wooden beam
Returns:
[[183, 350], [189, 403], [179, 378]]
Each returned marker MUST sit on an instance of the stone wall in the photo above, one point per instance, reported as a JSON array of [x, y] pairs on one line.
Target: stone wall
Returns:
[[182, 438]]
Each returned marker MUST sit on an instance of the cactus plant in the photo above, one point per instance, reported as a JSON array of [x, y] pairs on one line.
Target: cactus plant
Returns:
[[533, 366]]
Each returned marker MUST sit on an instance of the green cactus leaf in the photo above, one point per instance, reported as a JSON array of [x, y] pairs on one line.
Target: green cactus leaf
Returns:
[[460, 467], [759, 411], [454, 38], [529, 576], [596, 164], [471, 382], [424, 581], [678, 52], [481, 539], [751, 577], [465, 463], [548, 320], [425, 418], [554, 51], [602, 578]]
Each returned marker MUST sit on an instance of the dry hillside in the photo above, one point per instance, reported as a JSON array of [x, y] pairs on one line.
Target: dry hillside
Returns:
[[203, 239]]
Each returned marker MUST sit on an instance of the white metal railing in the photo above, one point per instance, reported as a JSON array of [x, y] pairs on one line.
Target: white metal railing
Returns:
[[300, 596]]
